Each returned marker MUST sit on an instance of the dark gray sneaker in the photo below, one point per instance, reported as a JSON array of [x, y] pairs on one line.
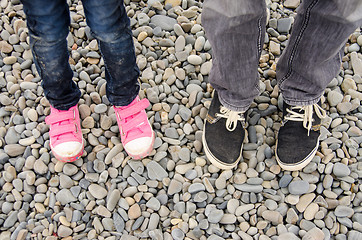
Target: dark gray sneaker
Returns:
[[223, 135], [298, 137]]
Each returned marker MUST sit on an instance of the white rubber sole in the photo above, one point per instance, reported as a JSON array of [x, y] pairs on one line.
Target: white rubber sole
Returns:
[[297, 166], [70, 157], [217, 163]]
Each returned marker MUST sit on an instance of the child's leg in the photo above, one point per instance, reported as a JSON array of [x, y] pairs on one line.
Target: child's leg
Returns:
[[48, 23], [110, 25]]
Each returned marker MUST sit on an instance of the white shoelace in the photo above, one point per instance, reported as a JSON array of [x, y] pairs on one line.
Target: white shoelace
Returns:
[[307, 116], [232, 117]]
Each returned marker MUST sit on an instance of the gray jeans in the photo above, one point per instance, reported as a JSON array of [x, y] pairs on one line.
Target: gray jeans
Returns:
[[236, 30]]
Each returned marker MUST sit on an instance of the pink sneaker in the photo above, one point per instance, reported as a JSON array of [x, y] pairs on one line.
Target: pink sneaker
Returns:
[[66, 141], [136, 132]]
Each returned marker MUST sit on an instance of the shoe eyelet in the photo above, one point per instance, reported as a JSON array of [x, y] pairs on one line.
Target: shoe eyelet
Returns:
[[73, 114], [76, 128]]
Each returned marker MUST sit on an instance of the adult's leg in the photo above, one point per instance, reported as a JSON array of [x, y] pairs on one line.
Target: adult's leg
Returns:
[[110, 25], [236, 31], [48, 23], [308, 64], [313, 56]]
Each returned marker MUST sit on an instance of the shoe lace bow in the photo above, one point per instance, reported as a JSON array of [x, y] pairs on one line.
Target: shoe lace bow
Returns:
[[305, 114], [232, 118]]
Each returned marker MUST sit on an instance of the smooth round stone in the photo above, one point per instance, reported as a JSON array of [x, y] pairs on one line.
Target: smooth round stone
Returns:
[[228, 219], [285, 180], [177, 234], [100, 108], [40, 167], [270, 204], [354, 235], [354, 131], [200, 197], [97, 191], [206, 68], [196, 187], [134, 211], [334, 98], [284, 25], [64, 231], [143, 19], [343, 211], [199, 43], [65, 196], [215, 216], [33, 115], [70, 169], [191, 174], [298, 187], [327, 181], [14, 150], [354, 47], [65, 181], [171, 133], [192, 88], [232, 205], [155, 171], [27, 141], [314, 233], [194, 59], [10, 60], [341, 170], [185, 154], [178, 30], [88, 122], [311, 211], [272, 216], [12, 136], [165, 22], [153, 204], [113, 199], [292, 216]]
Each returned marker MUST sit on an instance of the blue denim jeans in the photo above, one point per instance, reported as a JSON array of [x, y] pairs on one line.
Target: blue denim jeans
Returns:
[[236, 28], [48, 23]]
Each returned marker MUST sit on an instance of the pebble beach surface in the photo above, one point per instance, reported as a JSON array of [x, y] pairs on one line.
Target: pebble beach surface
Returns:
[[175, 193]]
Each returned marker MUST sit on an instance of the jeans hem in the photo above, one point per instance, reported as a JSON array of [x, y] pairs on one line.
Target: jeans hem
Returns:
[[65, 107], [124, 103], [232, 107], [294, 102]]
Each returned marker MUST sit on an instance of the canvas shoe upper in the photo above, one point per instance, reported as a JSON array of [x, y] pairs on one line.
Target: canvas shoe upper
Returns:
[[223, 135], [136, 132], [298, 137], [66, 141]]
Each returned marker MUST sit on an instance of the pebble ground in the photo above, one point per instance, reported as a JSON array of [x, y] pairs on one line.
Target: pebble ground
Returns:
[[175, 193]]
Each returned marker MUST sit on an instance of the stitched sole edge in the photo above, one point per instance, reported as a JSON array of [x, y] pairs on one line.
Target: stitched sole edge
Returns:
[[299, 165]]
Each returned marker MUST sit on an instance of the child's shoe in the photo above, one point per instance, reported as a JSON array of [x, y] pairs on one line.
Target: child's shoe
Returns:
[[136, 132], [66, 141]]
